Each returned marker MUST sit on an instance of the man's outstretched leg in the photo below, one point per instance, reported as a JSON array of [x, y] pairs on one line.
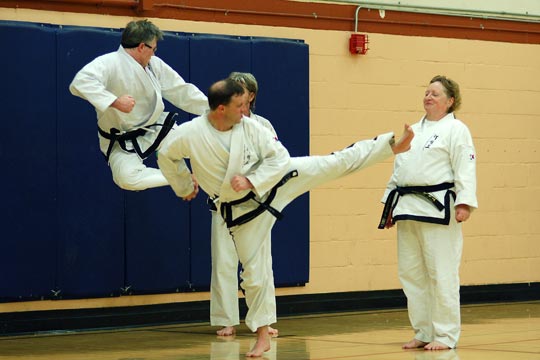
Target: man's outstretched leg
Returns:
[[263, 343], [316, 170], [130, 173]]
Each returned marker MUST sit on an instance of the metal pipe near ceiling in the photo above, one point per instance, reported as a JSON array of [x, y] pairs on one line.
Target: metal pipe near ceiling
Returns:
[[103, 3], [228, 11], [525, 16], [356, 18]]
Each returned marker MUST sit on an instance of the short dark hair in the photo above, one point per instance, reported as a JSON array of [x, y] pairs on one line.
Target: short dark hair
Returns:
[[221, 92], [141, 31]]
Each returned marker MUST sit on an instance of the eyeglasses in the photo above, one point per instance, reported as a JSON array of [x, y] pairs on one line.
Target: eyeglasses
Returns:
[[154, 49]]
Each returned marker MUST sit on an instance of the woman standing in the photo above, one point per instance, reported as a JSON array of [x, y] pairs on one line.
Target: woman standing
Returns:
[[431, 192]]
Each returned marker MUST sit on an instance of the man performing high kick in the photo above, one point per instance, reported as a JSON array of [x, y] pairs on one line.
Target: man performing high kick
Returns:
[[250, 178]]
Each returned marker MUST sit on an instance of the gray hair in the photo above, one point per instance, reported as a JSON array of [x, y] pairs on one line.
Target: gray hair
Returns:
[[248, 81], [141, 31]]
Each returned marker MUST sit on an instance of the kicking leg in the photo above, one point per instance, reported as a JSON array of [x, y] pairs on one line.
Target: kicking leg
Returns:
[[130, 173]]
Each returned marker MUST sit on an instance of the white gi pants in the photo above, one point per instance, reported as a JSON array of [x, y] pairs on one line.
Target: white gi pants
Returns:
[[252, 244], [128, 169], [224, 283], [429, 256], [130, 173]]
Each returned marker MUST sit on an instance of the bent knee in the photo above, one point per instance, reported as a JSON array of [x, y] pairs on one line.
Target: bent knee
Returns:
[[128, 180], [253, 284]]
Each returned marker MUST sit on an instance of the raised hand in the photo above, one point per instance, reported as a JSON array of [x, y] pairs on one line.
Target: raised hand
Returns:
[[404, 142]]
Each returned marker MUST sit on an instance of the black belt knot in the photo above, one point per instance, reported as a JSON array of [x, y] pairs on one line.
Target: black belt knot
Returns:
[[422, 191], [115, 137], [227, 207]]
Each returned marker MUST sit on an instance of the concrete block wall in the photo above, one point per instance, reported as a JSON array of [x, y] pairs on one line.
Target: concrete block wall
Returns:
[[353, 97]]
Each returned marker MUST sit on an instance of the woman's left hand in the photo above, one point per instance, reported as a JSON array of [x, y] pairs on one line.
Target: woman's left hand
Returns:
[[463, 212]]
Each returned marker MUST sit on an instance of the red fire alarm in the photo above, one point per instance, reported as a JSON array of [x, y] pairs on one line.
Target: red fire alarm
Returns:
[[358, 44]]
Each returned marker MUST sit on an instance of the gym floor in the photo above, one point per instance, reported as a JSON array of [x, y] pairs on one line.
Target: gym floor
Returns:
[[490, 331]]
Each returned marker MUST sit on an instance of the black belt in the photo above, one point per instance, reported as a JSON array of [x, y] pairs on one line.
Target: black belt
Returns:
[[226, 208], [115, 136], [211, 204], [422, 191]]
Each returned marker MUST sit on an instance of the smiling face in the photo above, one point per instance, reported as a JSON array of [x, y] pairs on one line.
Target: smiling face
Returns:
[[436, 101]]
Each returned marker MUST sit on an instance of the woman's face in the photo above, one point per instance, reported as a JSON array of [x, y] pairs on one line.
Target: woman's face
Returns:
[[436, 102]]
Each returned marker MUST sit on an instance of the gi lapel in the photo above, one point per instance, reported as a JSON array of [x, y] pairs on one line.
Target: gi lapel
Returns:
[[148, 85], [235, 164]]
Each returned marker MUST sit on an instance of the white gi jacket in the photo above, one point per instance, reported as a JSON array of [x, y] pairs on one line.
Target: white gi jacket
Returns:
[[441, 152], [254, 152], [115, 74], [264, 122]]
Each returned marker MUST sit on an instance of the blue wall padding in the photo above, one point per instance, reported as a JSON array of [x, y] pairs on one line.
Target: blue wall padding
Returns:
[[174, 50], [281, 68], [28, 158], [157, 241], [284, 99], [213, 58], [68, 230], [90, 207]]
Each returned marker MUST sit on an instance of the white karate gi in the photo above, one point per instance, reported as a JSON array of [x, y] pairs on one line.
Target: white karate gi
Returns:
[[256, 154], [429, 252], [224, 307], [115, 74]]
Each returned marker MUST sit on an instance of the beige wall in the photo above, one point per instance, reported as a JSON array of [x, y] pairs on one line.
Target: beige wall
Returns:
[[356, 97]]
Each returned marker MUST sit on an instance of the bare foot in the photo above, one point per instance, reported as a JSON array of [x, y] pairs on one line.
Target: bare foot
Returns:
[[226, 331], [273, 332], [263, 343], [435, 345], [414, 344]]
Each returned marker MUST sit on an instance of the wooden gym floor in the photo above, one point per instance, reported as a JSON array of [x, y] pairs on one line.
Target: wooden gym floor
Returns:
[[489, 332]]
